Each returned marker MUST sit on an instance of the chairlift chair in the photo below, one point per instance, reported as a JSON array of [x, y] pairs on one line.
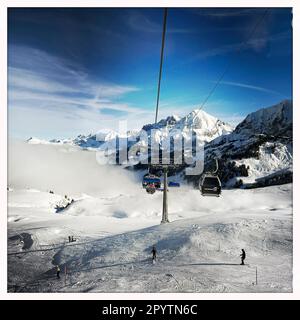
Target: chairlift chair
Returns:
[[210, 184], [151, 182]]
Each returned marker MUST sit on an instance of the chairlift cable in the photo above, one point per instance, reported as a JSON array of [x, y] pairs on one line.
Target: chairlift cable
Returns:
[[206, 188], [150, 181], [161, 61], [227, 68], [230, 62]]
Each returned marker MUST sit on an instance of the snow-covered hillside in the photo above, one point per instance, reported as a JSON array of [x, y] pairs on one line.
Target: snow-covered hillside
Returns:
[[275, 120], [116, 223], [260, 146], [197, 252]]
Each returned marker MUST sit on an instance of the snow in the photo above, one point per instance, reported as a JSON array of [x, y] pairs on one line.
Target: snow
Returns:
[[269, 120], [34, 140], [204, 124], [116, 223], [273, 157], [63, 169], [262, 142], [259, 130]]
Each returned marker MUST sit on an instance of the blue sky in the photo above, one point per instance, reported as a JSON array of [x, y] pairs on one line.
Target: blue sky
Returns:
[[73, 71]]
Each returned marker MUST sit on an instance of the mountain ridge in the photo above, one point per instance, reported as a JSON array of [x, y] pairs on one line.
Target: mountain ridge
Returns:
[[258, 147]]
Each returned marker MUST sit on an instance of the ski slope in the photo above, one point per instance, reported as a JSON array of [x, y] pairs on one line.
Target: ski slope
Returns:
[[116, 225]]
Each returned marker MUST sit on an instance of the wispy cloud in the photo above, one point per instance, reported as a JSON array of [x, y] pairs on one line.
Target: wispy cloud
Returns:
[[51, 87], [33, 81], [256, 44], [36, 70], [225, 12], [248, 86]]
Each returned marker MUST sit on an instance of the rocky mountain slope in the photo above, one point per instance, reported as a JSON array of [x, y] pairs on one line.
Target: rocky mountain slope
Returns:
[[259, 147]]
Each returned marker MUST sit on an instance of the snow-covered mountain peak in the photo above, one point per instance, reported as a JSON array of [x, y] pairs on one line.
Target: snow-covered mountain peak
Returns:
[[205, 125], [261, 146], [273, 120], [199, 119], [169, 121]]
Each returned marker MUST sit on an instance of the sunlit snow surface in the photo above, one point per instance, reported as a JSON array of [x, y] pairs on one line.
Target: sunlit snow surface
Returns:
[[116, 223]]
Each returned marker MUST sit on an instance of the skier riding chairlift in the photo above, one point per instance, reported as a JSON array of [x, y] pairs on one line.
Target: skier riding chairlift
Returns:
[[151, 179], [150, 188]]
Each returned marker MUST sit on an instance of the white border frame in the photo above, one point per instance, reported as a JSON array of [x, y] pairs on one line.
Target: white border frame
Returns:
[[3, 150]]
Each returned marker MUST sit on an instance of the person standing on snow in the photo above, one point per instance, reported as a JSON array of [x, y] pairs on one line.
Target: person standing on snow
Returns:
[[154, 253], [243, 256], [57, 272]]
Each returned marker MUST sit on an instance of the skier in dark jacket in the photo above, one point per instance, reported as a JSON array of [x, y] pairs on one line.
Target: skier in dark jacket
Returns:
[[153, 253], [243, 256], [57, 272]]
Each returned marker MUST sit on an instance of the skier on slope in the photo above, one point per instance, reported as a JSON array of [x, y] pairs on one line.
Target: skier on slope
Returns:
[[243, 256], [153, 253], [57, 272]]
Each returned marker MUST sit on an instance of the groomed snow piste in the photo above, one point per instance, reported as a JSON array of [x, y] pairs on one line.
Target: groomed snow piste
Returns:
[[115, 223]]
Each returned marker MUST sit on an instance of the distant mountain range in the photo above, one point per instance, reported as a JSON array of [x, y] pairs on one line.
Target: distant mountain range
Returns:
[[204, 125], [258, 152]]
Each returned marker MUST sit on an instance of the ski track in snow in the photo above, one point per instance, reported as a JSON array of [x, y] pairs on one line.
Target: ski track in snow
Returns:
[[197, 252]]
